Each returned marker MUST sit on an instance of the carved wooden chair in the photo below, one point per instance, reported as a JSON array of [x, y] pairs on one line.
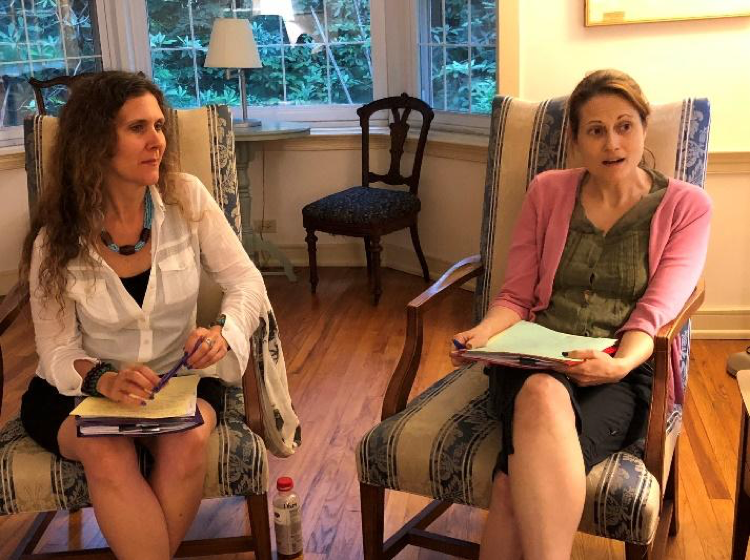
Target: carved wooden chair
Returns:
[[367, 212], [443, 444], [37, 481], [52, 94]]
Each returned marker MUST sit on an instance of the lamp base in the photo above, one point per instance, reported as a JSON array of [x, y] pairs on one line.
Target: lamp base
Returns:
[[246, 123]]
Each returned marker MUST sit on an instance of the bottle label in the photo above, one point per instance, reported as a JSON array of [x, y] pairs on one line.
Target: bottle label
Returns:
[[288, 526]]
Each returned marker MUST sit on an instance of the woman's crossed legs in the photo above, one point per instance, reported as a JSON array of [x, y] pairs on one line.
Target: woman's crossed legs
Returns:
[[143, 519], [535, 510]]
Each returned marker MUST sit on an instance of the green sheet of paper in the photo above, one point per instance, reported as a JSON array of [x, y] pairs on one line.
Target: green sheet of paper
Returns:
[[529, 339]]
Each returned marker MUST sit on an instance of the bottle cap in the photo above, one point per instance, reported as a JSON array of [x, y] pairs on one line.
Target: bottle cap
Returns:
[[284, 483]]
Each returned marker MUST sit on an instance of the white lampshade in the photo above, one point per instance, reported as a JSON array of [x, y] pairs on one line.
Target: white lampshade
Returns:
[[232, 45]]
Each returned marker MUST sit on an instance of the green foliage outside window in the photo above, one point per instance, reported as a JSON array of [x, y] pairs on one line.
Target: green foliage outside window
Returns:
[[326, 61], [42, 39], [457, 46]]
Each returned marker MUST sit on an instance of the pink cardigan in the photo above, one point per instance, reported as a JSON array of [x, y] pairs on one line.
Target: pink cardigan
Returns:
[[676, 253]]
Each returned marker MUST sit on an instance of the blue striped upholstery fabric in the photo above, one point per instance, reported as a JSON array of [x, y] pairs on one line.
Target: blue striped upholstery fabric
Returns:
[[445, 443], [34, 480]]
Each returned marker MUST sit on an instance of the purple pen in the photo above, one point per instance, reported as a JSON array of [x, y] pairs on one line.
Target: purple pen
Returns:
[[172, 372]]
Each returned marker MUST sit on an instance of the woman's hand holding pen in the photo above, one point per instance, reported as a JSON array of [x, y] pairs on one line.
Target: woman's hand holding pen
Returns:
[[212, 349], [132, 385], [466, 340]]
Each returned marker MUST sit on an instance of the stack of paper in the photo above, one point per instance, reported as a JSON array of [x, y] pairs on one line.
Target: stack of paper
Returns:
[[172, 410], [531, 346]]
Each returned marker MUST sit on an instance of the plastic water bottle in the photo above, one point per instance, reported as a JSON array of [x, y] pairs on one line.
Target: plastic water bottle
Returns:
[[287, 520]]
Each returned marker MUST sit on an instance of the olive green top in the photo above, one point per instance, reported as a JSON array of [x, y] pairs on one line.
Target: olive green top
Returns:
[[601, 276]]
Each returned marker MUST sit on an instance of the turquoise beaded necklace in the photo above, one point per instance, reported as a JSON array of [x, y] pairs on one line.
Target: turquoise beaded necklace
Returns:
[[148, 212]]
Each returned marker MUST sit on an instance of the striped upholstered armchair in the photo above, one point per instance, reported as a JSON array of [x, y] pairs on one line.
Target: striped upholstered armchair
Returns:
[[37, 481], [443, 444]]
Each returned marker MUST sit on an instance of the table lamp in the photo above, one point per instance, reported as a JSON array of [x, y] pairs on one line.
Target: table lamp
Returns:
[[232, 45]]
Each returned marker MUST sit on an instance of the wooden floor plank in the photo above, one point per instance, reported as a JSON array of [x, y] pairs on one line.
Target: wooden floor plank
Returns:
[[340, 351]]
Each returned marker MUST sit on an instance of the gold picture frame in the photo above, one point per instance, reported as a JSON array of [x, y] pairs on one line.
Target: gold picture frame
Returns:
[[618, 12]]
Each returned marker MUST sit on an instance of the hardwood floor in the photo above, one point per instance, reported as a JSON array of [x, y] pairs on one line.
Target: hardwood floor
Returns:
[[340, 351]]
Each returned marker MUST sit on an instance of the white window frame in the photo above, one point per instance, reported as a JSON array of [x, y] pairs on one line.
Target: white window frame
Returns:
[[316, 115], [123, 32], [403, 37], [13, 135]]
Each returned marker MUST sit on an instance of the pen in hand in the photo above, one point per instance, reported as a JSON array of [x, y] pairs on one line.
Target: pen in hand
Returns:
[[172, 372], [459, 345]]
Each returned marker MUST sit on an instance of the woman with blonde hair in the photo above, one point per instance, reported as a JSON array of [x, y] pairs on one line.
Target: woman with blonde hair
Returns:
[[113, 263], [611, 249]]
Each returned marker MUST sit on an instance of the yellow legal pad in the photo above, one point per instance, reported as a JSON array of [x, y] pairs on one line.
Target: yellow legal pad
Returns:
[[177, 398]]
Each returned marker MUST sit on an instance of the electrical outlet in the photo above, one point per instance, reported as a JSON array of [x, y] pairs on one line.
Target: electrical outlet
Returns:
[[264, 226]]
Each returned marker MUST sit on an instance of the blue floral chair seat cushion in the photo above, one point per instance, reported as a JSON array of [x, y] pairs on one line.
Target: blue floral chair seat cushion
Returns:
[[363, 205], [445, 443], [34, 480]]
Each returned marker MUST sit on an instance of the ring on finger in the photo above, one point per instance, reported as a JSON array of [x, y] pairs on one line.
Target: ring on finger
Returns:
[[209, 342]]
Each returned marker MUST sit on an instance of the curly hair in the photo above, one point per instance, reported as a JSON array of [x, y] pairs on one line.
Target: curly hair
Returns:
[[71, 205]]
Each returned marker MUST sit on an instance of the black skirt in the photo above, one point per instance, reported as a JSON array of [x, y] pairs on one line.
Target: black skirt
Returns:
[[44, 409], [609, 417]]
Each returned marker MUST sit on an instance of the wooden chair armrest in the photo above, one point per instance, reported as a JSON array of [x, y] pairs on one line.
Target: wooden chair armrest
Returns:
[[402, 379], [655, 446], [251, 389], [12, 305]]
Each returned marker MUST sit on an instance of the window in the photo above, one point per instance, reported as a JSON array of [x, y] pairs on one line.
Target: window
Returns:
[[314, 52], [457, 60], [41, 39]]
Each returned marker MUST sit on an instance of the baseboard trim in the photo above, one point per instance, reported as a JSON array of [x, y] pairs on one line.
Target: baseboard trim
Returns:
[[721, 322]]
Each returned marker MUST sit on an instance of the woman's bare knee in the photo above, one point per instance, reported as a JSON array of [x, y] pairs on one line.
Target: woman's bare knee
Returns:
[[542, 400]]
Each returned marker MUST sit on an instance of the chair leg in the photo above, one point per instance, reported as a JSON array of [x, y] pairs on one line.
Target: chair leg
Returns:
[[671, 491], [741, 536], [637, 552], [372, 501], [312, 259], [375, 250], [257, 508], [418, 249], [368, 255]]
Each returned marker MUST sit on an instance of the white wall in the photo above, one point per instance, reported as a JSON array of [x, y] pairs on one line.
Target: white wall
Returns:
[[670, 60], [14, 220]]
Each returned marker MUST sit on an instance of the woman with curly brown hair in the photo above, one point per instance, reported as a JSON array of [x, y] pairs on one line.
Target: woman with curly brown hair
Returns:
[[113, 262]]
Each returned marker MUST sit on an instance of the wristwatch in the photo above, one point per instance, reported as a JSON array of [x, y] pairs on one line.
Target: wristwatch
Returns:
[[220, 320]]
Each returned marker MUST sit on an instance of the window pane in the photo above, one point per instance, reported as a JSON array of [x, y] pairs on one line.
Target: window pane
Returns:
[[43, 39], [483, 22], [294, 40], [456, 21], [463, 79], [348, 20], [437, 74], [174, 71], [457, 78], [483, 69], [43, 28], [307, 75], [265, 86], [15, 93], [351, 75]]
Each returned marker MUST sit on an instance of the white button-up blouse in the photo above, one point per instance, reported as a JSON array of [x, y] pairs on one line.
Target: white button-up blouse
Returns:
[[100, 320]]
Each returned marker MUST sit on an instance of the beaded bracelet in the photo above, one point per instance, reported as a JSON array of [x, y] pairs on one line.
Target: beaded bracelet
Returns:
[[88, 387]]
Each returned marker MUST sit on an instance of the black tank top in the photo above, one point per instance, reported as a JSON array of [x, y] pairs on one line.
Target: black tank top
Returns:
[[136, 285]]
